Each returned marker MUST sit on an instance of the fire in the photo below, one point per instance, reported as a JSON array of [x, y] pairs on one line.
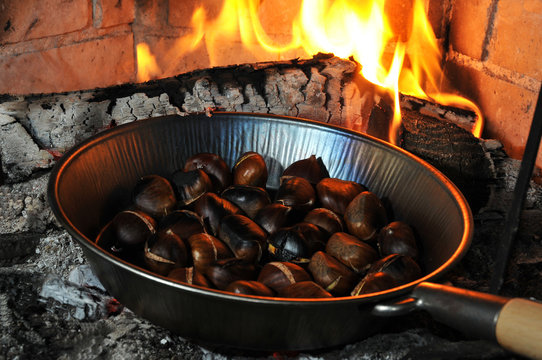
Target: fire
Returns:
[[404, 61]]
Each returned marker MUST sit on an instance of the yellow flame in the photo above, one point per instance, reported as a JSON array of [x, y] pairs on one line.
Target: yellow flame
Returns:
[[408, 63], [146, 63]]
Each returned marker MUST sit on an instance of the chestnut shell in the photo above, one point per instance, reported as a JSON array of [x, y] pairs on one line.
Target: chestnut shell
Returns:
[[250, 169], [214, 166], [312, 169], [365, 215], [335, 194], [154, 195], [250, 199]]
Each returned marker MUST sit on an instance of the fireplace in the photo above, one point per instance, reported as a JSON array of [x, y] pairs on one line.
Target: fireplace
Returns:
[[63, 80]]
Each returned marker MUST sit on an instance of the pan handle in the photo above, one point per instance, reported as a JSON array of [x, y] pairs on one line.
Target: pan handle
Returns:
[[514, 323]]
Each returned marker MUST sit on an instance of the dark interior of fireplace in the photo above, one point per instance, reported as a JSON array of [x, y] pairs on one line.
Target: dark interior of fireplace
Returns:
[[51, 303]]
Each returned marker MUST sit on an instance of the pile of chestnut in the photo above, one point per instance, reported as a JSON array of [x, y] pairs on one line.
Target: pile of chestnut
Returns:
[[217, 227]]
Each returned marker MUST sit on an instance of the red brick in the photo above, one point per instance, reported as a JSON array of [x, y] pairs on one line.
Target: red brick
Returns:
[[515, 43], [534, 6], [87, 65], [180, 12], [469, 26], [32, 19], [113, 12], [152, 13], [437, 15], [508, 109]]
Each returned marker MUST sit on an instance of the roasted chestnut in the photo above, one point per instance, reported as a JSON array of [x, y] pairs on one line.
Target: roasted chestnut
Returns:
[[325, 219], [214, 166], [243, 236], [365, 215], [397, 238], [312, 169], [184, 223], [351, 251], [314, 237], [278, 275], [154, 195], [403, 269], [164, 252], [249, 198], [336, 194], [250, 169], [296, 192], [373, 282], [304, 289], [190, 276], [288, 244], [131, 229], [273, 217], [249, 287], [331, 274], [226, 271], [212, 208], [190, 185], [206, 250]]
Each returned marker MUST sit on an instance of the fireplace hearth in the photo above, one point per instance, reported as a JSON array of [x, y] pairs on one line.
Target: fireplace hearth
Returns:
[[52, 305]]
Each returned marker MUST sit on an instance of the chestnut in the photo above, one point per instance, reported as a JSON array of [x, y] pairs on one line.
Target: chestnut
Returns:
[[249, 198], [190, 276], [325, 219], [397, 238], [351, 251], [273, 217], [243, 236], [315, 238], [288, 244], [154, 195], [312, 169], [214, 166], [374, 282], [206, 250], [165, 251], [296, 192], [304, 289], [131, 229], [278, 275], [365, 215], [190, 185], [335, 194], [184, 223], [225, 271], [249, 287], [212, 208], [250, 169], [331, 274], [403, 269]]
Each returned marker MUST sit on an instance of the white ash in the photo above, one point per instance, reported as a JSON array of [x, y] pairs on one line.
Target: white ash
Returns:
[[24, 207], [57, 253], [85, 303]]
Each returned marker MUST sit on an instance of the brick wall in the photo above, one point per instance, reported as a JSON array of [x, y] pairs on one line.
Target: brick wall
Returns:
[[493, 48], [494, 57]]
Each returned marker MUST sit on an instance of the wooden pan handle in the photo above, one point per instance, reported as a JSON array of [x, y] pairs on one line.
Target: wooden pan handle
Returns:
[[516, 324], [519, 327]]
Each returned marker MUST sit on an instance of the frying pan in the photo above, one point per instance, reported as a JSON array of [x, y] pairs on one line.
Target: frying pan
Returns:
[[93, 181]]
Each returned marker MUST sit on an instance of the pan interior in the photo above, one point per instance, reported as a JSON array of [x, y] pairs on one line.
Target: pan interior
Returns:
[[94, 180]]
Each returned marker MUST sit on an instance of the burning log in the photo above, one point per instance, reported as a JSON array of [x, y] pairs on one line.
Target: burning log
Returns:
[[324, 88]]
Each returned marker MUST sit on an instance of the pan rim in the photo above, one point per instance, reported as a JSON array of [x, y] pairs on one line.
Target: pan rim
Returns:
[[87, 243]]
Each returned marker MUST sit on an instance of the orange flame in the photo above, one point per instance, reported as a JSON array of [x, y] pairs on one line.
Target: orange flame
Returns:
[[343, 27]]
